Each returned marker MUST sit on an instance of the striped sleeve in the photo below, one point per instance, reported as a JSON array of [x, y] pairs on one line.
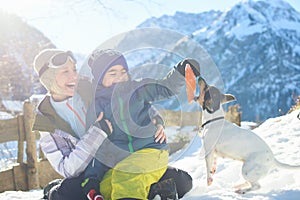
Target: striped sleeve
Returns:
[[69, 156]]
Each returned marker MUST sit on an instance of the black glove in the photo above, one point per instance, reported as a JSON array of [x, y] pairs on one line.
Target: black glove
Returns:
[[159, 120], [180, 67], [102, 124]]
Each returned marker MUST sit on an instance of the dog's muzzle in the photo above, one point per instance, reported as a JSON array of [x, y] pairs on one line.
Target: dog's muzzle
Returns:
[[216, 106]]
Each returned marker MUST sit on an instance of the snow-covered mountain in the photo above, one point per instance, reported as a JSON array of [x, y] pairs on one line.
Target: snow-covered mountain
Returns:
[[256, 46]]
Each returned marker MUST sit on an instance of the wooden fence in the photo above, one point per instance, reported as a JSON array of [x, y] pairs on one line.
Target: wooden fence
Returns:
[[35, 172]]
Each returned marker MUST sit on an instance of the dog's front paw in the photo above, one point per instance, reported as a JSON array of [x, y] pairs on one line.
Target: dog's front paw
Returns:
[[242, 191], [209, 181]]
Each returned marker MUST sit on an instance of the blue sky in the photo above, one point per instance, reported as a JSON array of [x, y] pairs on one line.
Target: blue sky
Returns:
[[83, 25]]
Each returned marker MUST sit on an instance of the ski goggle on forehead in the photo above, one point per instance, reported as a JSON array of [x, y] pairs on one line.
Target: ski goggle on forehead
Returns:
[[57, 61]]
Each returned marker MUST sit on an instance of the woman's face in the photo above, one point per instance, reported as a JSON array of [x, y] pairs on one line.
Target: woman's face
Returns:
[[66, 79], [115, 74]]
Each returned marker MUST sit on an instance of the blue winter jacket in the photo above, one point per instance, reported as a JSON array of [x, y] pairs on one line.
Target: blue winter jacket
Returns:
[[128, 106]]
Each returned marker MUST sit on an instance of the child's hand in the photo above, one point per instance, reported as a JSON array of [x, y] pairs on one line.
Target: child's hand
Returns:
[[160, 135], [100, 117]]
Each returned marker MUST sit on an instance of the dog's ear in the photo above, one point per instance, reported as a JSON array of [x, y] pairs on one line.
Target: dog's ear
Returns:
[[202, 83], [227, 98]]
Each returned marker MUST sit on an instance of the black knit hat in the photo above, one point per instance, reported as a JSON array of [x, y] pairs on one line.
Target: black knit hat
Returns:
[[100, 61]]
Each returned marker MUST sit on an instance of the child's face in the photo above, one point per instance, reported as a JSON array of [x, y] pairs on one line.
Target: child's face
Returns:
[[115, 74]]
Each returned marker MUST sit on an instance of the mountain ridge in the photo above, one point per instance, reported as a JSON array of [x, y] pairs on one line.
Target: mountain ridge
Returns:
[[19, 43], [256, 46]]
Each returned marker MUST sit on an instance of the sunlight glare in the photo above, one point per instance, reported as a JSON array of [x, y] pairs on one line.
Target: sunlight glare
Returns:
[[21, 7]]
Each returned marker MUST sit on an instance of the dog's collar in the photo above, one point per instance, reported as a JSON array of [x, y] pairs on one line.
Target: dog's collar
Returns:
[[212, 120]]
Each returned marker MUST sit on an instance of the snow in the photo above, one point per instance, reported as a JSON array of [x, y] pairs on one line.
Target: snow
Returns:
[[282, 134], [243, 30], [285, 24], [5, 115], [252, 20], [12, 105]]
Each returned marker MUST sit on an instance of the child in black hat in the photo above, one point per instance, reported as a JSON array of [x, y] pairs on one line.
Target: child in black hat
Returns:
[[127, 105]]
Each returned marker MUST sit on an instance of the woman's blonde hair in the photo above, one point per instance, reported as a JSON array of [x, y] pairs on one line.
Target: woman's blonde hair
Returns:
[[47, 78]]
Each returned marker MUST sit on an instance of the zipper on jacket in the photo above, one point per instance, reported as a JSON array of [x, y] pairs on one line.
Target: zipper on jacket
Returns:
[[93, 163]]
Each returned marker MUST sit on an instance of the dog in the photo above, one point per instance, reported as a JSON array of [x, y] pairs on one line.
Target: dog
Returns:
[[224, 139]]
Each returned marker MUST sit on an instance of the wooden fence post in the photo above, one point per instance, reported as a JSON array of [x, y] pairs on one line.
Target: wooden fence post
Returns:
[[21, 139], [32, 164]]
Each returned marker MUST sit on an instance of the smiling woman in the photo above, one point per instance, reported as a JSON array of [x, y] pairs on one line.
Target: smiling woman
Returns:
[[59, 74]]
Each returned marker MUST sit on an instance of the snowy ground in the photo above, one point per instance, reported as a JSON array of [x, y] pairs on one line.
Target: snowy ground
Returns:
[[281, 133]]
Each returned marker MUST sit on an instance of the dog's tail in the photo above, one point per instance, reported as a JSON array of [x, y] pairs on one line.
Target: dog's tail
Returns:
[[286, 166]]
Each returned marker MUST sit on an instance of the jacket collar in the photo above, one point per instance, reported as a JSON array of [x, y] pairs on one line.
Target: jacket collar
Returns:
[[48, 120]]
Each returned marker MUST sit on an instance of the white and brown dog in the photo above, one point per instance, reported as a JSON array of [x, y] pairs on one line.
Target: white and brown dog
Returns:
[[224, 139]]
